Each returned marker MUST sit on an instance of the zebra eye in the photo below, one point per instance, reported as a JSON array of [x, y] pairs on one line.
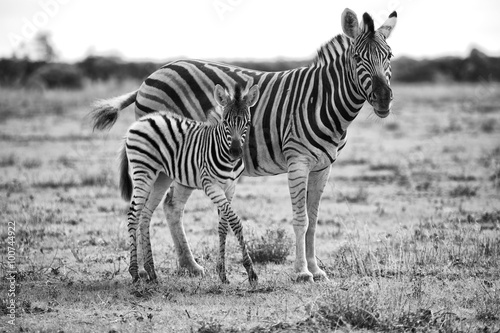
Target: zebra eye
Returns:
[[357, 57], [389, 56]]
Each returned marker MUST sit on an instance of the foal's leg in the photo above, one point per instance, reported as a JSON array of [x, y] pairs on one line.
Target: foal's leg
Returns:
[[159, 188], [218, 197], [140, 195], [223, 227]]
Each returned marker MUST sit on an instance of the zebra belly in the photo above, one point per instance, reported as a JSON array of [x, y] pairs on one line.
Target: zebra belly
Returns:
[[195, 181]]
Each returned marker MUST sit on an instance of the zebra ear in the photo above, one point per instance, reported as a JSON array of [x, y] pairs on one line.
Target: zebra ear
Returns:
[[388, 25], [350, 24], [221, 96], [253, 96]]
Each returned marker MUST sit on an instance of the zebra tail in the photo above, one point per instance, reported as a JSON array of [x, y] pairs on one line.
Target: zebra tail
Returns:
[[105, 112], [125, 180]]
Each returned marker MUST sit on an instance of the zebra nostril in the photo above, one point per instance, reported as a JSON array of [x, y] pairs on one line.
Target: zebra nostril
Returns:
[[235, 152], [374, 96]]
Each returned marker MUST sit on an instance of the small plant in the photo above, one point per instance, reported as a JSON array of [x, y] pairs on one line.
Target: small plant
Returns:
[[488, 126], [357, 310], [32, 163], [66, 161], [495, 177], [463, 191], [274, 246], [7, 161], [100, 179], [211, 326], [392, 126], [488, 300], [359, 197]]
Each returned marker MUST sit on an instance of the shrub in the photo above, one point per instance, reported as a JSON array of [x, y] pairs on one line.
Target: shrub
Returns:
[[463, 191], [7, 161], [57, 76], [32, 163], [274, 246]]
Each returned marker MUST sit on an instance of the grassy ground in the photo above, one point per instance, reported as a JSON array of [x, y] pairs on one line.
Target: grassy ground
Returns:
[[409, 228]]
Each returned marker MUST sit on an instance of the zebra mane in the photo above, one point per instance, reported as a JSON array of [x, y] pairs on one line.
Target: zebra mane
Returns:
[[331, 50], [238, 100], [236, 105], [237, 92]]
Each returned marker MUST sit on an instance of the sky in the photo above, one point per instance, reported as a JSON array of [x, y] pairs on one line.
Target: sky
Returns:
[[242, 29]]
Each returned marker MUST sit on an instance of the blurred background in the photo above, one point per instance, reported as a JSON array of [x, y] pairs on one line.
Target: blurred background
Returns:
[[68, 43]]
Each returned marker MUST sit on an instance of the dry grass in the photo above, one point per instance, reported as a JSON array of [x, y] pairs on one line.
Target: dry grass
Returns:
[[409, 228]]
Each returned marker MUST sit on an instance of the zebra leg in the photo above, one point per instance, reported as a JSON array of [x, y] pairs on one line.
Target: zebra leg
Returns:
[[140, 195], [315, 186], [223, 227], [218, 197], [173, 207], [133, 214], [297, 183], [237, 227], [159, 188], [221, 263]]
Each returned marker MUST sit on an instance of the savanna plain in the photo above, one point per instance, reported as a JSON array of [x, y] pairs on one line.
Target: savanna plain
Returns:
[[408, 230]]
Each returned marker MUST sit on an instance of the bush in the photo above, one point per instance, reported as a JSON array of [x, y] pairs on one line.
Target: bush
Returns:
[[463, 191], [274, 246], [57, 76]]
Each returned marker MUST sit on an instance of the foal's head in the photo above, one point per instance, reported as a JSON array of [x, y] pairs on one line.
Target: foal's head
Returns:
[[236, 116]]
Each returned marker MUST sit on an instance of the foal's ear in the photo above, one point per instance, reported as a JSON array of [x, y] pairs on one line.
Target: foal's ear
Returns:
[[350, 24], [221, 96], [252, 96], [388, 25]]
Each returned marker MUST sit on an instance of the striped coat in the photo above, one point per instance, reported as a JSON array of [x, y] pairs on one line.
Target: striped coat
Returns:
[[162, 147], [299, 125]]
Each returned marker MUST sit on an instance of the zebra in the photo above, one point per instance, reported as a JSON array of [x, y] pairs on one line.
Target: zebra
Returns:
[[299, 126], [162, 147]]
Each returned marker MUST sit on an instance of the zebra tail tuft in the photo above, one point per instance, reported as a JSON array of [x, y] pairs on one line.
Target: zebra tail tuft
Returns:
[[105, 112], [125, 180]]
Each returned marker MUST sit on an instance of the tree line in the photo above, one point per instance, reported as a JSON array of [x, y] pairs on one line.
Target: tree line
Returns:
[[23, 72]]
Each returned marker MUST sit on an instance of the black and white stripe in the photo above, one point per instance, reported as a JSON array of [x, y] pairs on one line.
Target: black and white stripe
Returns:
[[298, 126], [162, 147]]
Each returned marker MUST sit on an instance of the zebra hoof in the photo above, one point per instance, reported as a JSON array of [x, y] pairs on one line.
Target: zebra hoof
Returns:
[[252, 278], [304, 277], [143, 275], [197, 271], [192, 268], [133, 271], [320, 276], [224, 279]]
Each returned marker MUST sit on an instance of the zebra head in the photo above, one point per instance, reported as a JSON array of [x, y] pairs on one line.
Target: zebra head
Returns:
[[370, 59], [236, 116]]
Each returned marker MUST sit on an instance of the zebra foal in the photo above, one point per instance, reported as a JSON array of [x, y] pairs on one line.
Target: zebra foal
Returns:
[[163, 147]]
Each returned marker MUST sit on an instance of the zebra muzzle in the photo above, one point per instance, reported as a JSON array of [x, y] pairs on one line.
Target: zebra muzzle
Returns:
[[381, 100], [235, 150]]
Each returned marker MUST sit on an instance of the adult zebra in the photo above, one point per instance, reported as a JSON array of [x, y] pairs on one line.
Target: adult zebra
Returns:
[[298, 126]]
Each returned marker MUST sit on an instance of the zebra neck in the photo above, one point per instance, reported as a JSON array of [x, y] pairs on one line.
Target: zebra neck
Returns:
[[336, 84], [218, 139]]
